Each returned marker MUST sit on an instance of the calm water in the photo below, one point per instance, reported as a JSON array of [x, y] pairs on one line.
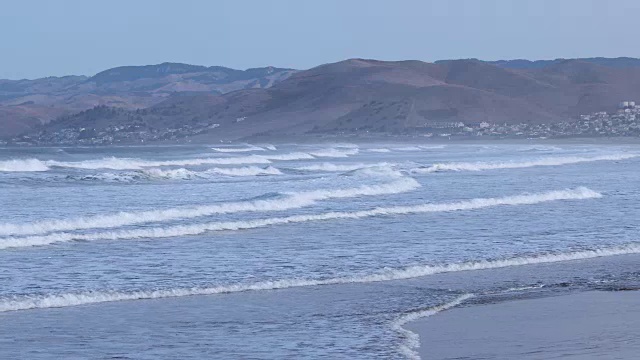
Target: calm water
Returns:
[[296, 251]]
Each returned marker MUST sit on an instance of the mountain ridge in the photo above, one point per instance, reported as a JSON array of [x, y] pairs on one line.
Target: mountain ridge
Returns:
[[363, 95], [25, 104]]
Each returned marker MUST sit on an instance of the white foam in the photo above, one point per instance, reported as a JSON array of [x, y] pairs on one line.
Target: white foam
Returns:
[[345, 146], [246, 171], [109, 177], [407, 148], [181, 174], [335, 153], [379, 150], [292, 201], [419, 147], [332, 167], [115, 163], [185, 174], [540, 148], [289, 156], [23, 165], [233, 150], [412, 340], [432, 147], [550, 161], [171, 174], [524, 288], [308, 198], [383, 170], [71, 299]]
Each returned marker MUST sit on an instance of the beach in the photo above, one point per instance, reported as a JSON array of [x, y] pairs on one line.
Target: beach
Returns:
[[314, 251], [587, 325]]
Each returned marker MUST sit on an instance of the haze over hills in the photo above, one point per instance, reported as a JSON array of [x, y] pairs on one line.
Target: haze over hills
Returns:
[[172, 101]]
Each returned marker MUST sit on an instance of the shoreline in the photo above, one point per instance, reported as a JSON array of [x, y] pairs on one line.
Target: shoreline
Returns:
[[585, 325]]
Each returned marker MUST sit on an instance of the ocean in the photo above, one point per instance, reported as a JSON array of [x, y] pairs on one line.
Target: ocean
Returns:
[[297, 251]]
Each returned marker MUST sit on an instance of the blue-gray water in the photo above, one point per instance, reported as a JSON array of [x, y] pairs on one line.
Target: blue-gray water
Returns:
[[295, 251]]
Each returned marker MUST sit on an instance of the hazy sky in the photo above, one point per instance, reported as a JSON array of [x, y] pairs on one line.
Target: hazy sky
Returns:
[[43, 38]]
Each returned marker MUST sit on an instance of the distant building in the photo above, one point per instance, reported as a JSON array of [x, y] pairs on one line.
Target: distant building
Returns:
[[626, 104], [443, 124]]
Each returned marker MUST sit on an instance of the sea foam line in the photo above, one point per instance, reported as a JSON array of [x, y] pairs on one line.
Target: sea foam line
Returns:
[[115, 163], [412, 340], [25, 165], [291, 201], [196, 229], [331, 167], [549, 161], [185, 174], [25, 302], [335, 153], [237, 149]]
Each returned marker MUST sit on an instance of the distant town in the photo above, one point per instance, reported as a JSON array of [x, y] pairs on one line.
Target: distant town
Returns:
[[625, 122]]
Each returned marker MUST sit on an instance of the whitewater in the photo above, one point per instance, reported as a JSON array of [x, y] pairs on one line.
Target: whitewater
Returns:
[[183, 230], [116, 163], [547, 161], [308, 250]]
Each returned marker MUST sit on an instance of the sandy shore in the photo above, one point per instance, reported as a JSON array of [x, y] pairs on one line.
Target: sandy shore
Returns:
[[590, 325]]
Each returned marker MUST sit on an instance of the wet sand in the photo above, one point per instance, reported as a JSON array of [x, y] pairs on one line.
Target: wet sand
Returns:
[[590, 325]]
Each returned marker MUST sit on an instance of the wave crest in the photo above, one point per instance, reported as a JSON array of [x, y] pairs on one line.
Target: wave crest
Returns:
[[411, 339], [551, 161], [292, 201], [23, 165], [237, 149], [70, 299], [306, 198]]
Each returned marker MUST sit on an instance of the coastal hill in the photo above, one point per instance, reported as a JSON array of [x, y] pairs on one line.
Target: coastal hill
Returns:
[[351, 96], [25, 104]]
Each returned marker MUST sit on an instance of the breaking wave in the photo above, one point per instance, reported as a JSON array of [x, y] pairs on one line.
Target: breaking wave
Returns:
[[16, 303], [115, 163], [308, 198], [551, 161], [419, 147], [411, 339], [290, 156], [173, 174], [335, 153], [184, 174], [540, 148], [291, 201], [233, 150], [23, 165], [246, 171], [177, 174], [109, 177], [379, 150], [331, 167]]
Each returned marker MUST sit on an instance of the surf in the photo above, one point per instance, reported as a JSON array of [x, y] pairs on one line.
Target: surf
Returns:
[[291, 200], [23, 165], [580, 193], [26, 302], [237, 149], [549, 161], [412, 340]]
